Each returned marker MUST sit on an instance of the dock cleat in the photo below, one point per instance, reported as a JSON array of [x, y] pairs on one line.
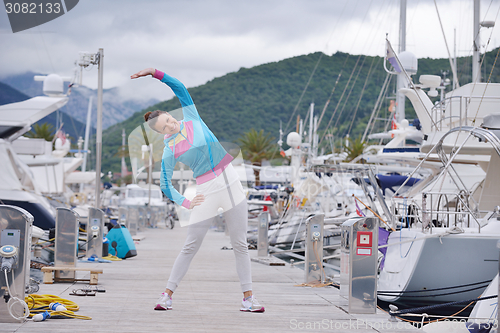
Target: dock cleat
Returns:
[[250, 304], [164, 303]]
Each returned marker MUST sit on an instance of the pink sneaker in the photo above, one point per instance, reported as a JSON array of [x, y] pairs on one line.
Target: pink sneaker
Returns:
[[250, 304], [164, 303]]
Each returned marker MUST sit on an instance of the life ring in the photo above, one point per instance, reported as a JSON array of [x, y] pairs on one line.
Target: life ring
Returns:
[[78, 199]]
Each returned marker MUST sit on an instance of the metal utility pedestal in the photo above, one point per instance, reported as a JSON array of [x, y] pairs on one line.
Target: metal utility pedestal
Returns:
[[358, 264], [66, 241], [95, 232], [15, 232], [314, 249], [263, 240]]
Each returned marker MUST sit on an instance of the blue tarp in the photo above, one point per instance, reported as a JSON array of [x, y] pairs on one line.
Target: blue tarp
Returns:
[[392, 182], [402, 150]]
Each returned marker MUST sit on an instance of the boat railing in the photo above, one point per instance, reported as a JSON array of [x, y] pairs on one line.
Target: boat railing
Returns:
[[441, 209], [406, 212], [456, 111], [449, 106], [438, 209]]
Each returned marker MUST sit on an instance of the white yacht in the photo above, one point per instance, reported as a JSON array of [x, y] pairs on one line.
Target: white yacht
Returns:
[[17, 184]]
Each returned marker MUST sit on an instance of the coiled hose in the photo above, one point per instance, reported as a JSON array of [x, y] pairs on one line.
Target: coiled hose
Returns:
[[40, 304]]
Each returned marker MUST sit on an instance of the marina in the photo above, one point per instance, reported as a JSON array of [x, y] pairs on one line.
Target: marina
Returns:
[[395, 231], [207, 300]]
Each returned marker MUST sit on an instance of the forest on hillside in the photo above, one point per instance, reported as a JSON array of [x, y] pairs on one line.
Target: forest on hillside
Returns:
[[263, 96]]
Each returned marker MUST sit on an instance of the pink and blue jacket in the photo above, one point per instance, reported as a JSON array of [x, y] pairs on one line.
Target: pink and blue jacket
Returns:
[[198, 148]]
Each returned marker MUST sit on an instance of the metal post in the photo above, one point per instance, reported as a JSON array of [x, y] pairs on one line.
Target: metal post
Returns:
[[314, 249], [124, 165], [476, 72], [498, 308], [359, 259], [263, 240], [150, 176], [132, 219], [123, 212], [401, 79], [86, 142], [66, 241], [311, 128], [98, 143]]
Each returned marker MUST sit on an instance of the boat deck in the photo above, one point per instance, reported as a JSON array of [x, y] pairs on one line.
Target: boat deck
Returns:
[[207, 300]]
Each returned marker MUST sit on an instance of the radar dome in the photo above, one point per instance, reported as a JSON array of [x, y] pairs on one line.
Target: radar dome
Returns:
[[53, 85], [293, 139], [409, 62]]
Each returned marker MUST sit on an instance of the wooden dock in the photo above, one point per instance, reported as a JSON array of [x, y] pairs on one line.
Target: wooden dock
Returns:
[[207, 300]]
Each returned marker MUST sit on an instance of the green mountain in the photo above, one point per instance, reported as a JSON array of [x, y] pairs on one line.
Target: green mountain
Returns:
[[262, 96]]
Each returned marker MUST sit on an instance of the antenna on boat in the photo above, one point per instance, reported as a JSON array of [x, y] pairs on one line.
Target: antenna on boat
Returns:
[[280, 141]]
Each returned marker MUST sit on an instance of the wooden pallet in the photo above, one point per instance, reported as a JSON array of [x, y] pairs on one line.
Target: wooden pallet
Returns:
[[49, 278]]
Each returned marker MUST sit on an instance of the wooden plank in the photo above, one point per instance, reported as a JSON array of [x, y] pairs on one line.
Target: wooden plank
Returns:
[[59, 268], [51, 274]]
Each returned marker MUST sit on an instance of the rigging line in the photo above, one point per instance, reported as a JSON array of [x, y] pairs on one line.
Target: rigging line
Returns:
[[376, 107], [326, 105], [330, 97], [354, 41], [453, 69], [340, 73], [46, 50], [491, 72], [78, 133], [477, 46], [303, 91], [349, 94], [335, 27], [333, 90], [361, 95], [386, 127], [341, 97], [475, 82], [307, 116], [487, 83], [325, 49]]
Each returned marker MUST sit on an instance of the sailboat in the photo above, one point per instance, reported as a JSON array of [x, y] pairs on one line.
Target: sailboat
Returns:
[[448, 252]]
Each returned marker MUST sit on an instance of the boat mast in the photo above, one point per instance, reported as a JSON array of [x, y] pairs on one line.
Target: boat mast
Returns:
[[476, 72], [400, 98]]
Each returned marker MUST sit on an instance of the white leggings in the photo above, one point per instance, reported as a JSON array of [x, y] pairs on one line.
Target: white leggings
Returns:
[[226, 192]]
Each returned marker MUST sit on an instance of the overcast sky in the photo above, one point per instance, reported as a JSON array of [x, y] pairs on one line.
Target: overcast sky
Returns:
[[198, 40]]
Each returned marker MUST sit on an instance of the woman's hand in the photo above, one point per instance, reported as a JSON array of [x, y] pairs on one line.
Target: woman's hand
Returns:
[[197, 200], [144, 72]]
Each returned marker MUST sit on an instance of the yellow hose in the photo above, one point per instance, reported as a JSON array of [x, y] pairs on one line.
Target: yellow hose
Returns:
[[40, 303], [112, 258]]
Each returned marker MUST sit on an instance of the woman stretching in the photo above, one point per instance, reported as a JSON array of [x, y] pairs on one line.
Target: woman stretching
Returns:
[[191, 142]]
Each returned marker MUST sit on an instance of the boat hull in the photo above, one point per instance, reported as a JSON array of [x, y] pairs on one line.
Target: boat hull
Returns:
[[466, 260]]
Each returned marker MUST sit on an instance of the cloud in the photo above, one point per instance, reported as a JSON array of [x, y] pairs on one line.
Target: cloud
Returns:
[[197, 40]]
